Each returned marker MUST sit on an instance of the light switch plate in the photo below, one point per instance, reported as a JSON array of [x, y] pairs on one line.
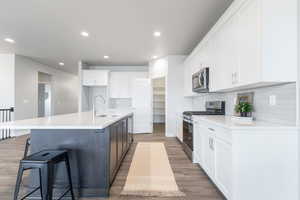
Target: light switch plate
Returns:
[[25, 101], [272, 100]]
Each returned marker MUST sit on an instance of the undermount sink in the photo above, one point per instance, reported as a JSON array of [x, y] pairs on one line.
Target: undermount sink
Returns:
[[102, 115]]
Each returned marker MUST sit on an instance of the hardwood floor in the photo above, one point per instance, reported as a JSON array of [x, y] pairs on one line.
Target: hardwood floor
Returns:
[[189, 177]]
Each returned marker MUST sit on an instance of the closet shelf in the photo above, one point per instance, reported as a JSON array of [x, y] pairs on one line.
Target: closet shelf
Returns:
[[159, 101]]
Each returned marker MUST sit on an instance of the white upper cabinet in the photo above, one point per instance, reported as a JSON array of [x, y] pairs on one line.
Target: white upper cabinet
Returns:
[[95, 77], [121, 83], [249, 44], [253, 44]]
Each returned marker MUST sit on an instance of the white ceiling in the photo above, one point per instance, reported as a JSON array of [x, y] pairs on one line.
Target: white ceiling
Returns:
[[49, 30]]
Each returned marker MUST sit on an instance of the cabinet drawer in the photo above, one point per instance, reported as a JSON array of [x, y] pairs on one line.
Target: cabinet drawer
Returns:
[[219, 132]]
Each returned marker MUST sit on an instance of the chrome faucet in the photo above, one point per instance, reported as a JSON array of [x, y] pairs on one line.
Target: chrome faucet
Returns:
[[94, 103]]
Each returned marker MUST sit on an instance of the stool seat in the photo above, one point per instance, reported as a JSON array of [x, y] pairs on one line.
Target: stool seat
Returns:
[[46, 156], [45, 161]]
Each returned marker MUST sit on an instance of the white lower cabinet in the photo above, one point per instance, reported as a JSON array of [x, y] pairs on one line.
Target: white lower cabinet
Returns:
[[247, 163], [223, 166], [216, 157], [208, 152], [197, 153]]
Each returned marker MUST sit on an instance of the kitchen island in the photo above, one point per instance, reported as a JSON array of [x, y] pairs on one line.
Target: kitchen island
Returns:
[[97, 147]]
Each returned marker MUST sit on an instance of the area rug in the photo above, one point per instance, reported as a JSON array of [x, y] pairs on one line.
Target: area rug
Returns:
[[150, 173]]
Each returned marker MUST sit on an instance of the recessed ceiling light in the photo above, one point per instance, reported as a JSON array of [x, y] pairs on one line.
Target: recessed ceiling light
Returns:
[[106, 57], [61, 64], [157, 34], [154, 57], [84, 34], [9, 40]]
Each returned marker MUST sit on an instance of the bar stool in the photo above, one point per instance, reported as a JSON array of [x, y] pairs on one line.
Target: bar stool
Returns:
[[44, 161]]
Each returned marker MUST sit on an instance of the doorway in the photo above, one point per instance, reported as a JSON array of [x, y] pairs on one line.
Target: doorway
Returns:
[[159, 106], [44, 94]]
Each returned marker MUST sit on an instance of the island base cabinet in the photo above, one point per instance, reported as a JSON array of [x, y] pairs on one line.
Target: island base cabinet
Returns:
[[95, 156], [113, 150], [119, 145]]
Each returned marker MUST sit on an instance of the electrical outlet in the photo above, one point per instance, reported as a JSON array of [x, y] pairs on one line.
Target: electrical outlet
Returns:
[[25, 101], [272, 100], [234, 100]]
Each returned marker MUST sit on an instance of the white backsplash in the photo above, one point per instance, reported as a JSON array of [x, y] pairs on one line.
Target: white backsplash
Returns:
[[120, 103], [284, 112]]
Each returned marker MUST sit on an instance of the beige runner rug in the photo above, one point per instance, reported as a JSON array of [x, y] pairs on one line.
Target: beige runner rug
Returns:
[[150, 173]]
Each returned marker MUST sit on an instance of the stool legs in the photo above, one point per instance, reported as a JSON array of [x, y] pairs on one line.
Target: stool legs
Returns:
[[47, 173], [69, 176], [18, 182]]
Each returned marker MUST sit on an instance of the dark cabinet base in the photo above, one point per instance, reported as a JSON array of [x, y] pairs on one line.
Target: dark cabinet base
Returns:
[[95, 155]]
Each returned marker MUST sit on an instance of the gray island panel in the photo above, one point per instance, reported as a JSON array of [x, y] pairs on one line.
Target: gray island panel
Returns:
[[95, 155]]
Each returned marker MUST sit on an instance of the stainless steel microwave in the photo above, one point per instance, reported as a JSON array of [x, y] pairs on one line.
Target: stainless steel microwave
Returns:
[[201, 81]]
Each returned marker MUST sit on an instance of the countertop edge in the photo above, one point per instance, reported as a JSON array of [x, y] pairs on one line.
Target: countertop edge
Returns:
[[247, 127], [15, 127]]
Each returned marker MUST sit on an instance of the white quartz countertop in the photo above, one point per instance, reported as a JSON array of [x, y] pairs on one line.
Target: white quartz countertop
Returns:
[[227, 122], [80, 120]]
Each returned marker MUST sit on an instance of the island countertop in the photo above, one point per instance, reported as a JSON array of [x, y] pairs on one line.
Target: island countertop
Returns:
[[80, 120]]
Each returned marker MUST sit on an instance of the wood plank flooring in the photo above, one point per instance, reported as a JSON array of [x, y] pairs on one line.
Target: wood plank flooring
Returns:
[[190, 178]]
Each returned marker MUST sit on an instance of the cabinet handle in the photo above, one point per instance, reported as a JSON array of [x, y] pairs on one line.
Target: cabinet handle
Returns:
[[211, 129], [212, 145]]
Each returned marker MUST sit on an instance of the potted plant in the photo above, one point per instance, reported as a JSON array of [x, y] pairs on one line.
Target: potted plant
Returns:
[[244, 108]]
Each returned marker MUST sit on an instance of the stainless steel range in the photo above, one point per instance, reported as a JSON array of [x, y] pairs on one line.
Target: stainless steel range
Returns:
[[212, 108]]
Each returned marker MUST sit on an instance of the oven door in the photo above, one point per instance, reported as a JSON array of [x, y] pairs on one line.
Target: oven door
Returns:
[[188, 138]]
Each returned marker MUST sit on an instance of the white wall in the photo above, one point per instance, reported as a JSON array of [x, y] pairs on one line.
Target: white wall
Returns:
[[158, 68], [298, 97], [64, 89], [171, 67], [7, 80], [174, 96], [298, 81], [121, 68]]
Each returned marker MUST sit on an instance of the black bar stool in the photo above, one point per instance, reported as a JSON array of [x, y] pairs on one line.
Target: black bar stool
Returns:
[[44, 161]]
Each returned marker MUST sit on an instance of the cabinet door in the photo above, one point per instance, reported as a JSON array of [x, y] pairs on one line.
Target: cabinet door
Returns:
[[113, 150], [197, 142], [119, 85], [229, 55], [208, 152], [125, 135], [120, 140], [249, 43], [95, 77], [223, 171], [130, 130], [217, 78], [225, 56]]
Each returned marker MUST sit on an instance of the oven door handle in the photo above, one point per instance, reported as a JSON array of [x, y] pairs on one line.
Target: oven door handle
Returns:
[[188, 121]]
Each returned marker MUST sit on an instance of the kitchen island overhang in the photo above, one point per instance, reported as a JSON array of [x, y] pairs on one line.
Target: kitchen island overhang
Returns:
[[96, 148]]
